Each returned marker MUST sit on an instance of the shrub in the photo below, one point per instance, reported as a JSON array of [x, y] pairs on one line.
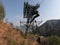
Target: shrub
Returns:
[[54, 40], [22, 43], [11, 42], [22, 34]]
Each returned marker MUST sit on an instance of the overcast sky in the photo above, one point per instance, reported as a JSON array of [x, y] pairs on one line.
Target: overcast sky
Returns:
[[49, 9]]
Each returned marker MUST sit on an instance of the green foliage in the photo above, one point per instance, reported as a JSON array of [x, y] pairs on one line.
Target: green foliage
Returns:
[[54, 40], [11, 42], [22, 43], [2, 12], [22, 34]]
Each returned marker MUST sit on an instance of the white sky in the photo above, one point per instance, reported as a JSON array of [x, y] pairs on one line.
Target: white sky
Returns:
[[50, 9]]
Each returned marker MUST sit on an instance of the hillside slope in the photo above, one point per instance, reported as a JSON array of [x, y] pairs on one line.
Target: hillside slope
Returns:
[[8, 34], [51, 27], [12, 36]]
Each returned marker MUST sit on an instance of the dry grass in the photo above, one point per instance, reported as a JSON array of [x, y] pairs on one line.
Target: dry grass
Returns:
[[11, 36]]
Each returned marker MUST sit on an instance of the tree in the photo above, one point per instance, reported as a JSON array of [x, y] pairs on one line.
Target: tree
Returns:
[[30, 12], [2, 12]]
